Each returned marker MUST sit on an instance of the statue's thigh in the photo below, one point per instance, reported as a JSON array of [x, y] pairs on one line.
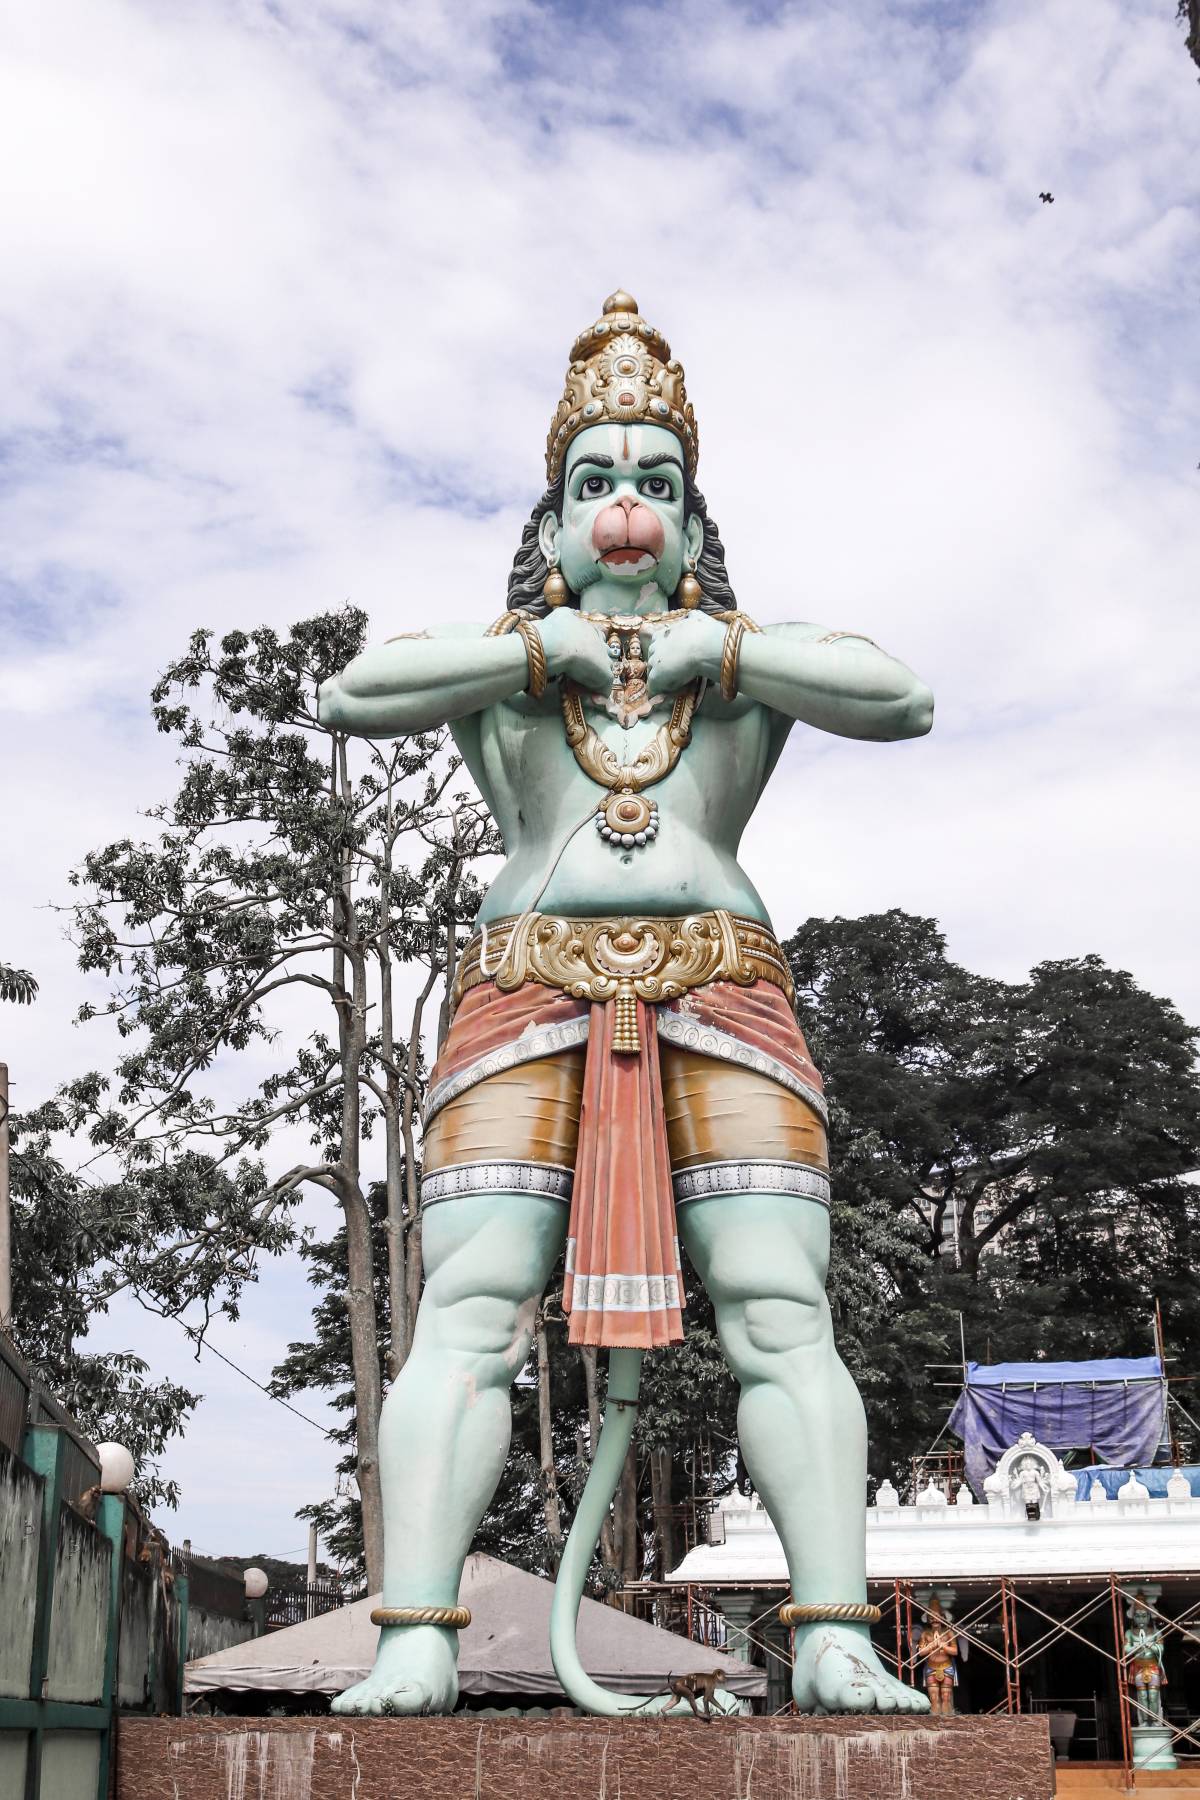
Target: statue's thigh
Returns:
[[750, 1248], [497, 1245], [750, 1168], [497, 1166], [525, 1115], [719, 1112]]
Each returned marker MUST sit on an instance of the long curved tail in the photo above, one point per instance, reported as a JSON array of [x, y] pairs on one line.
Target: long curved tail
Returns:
[[620, 1416]]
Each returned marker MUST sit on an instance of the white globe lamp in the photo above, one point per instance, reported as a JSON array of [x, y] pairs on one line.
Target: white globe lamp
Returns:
[[116, 1468]]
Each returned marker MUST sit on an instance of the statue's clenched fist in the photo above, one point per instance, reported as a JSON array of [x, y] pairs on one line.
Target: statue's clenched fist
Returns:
[[682, 650], [577, 649]]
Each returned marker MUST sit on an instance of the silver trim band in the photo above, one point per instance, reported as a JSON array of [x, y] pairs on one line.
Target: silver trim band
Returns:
[[460, 1179], [710, 1040], [534, 1042], [624, 1293], [752, 1176]]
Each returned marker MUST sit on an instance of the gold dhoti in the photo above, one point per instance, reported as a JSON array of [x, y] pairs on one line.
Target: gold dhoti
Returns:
[[628, 1067]]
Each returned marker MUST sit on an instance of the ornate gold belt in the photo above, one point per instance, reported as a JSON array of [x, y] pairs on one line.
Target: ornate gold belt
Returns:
[[623, 959]]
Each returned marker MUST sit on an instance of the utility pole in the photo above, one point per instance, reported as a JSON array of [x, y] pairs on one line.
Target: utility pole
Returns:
[[5, 1214], [312, 1569]]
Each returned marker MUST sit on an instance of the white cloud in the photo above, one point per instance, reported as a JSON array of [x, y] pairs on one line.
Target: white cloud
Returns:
[[288, 293]]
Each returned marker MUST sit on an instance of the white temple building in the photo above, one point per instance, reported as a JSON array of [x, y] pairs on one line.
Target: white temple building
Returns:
[[1038, 1582], [935, 1540]]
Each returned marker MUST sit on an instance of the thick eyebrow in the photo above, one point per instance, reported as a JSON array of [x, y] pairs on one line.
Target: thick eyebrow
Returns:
[[658, 459], [598, 460]]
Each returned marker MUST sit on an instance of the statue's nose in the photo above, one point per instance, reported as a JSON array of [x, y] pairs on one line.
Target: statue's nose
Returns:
[[627, 503]]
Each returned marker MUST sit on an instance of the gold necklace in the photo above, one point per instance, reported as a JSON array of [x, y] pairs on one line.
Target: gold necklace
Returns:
[[626, 818]]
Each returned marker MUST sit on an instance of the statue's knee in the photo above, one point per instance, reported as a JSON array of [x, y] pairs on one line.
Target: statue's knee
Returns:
[[775, 1325], [490, 1325]]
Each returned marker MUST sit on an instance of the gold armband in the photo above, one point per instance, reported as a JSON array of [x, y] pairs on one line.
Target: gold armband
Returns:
[[531, 637], [735, 631]]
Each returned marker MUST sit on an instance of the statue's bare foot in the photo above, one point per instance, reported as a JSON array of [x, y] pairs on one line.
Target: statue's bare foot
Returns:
[[415, 1672], [837, 1670]]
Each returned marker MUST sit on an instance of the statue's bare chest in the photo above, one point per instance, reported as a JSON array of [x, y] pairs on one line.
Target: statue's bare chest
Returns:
[[544, 757]]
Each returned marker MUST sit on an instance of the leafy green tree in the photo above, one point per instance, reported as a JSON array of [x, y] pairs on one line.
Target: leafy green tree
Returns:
[[17, 985], [1033, 1140], [1189, 12], [70, 1240], [294, 877], [325, 1363]]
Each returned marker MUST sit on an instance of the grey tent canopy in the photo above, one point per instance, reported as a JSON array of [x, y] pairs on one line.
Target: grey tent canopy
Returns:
[[504, 1650]]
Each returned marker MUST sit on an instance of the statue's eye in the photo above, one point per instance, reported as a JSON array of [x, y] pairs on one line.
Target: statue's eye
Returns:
[[595, 487], [656, 487]]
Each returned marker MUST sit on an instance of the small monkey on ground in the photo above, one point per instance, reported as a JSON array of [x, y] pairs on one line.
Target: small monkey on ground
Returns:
[[699, 1686]]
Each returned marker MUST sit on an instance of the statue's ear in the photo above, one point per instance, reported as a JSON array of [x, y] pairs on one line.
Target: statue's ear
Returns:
[[693, 535], [548, 535]]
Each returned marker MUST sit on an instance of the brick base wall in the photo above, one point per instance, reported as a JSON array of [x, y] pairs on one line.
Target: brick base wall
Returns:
[[584, 1759]]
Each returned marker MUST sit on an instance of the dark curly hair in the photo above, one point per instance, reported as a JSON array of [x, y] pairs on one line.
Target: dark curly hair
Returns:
[[530, 568]]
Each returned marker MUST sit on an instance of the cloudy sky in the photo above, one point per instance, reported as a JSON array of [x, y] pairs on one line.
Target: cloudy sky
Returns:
[[288, 290]]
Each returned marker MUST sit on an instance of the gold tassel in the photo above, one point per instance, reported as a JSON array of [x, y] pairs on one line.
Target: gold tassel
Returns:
[[625, 1040]]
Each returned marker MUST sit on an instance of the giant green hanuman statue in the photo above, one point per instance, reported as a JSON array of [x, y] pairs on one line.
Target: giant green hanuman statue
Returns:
[[624, 1069]]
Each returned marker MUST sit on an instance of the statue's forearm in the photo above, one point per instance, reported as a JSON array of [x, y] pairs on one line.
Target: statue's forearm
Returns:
[[845, 685], [416, 684]]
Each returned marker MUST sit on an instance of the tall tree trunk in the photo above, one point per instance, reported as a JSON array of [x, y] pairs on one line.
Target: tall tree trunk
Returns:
[[413, 1269], [399, 1335], [368, 1397], [625, 1522], [660, 1499], [550, 1502], [349, 956]]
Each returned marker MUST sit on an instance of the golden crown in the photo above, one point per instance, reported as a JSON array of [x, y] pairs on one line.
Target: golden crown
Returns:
[[622, 373]]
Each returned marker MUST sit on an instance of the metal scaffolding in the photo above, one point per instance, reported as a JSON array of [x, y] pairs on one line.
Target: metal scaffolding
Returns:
[[1006, 1619]]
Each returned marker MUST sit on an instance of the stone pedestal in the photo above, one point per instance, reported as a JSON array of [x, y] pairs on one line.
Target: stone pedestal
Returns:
[[462, 1758], [1152, 1748]]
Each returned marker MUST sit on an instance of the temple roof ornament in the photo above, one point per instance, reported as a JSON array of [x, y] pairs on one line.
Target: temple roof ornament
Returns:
[[1029, 1482], [927, 1541]]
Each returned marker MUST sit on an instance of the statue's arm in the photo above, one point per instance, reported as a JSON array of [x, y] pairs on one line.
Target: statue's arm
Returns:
[[419, 681], [834, 681]]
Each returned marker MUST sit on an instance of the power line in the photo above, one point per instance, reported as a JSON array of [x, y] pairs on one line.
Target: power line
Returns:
[[202, 1343]]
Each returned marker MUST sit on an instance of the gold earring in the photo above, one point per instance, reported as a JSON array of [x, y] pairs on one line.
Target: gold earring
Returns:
[[554, 588], [689, 593]]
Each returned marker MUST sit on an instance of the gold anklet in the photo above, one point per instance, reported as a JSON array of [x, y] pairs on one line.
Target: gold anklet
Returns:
[[839, 1612], [456, 1617]]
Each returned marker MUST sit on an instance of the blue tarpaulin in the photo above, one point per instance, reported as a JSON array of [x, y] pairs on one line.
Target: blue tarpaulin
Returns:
[[1153, 1480], [1116, 1406]]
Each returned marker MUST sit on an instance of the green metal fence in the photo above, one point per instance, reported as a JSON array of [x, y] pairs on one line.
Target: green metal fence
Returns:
[[86, 1629]]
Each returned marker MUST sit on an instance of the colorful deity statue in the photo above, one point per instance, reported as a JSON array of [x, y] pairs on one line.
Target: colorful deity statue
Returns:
[[623, 1069], [1144, 1669], [937, 1651]]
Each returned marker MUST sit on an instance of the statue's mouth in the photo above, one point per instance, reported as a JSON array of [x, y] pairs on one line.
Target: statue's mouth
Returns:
[[628, 556]]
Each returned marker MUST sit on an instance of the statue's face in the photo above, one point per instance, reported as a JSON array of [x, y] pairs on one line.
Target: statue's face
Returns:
[[623, 533]]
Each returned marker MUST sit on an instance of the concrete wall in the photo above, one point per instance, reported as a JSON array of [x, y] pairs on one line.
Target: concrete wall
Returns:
[[139, 1594], [14, 1749], [70, 1765], [79, 1615], [208, 1632], [584, 1759], [20, 1524]]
